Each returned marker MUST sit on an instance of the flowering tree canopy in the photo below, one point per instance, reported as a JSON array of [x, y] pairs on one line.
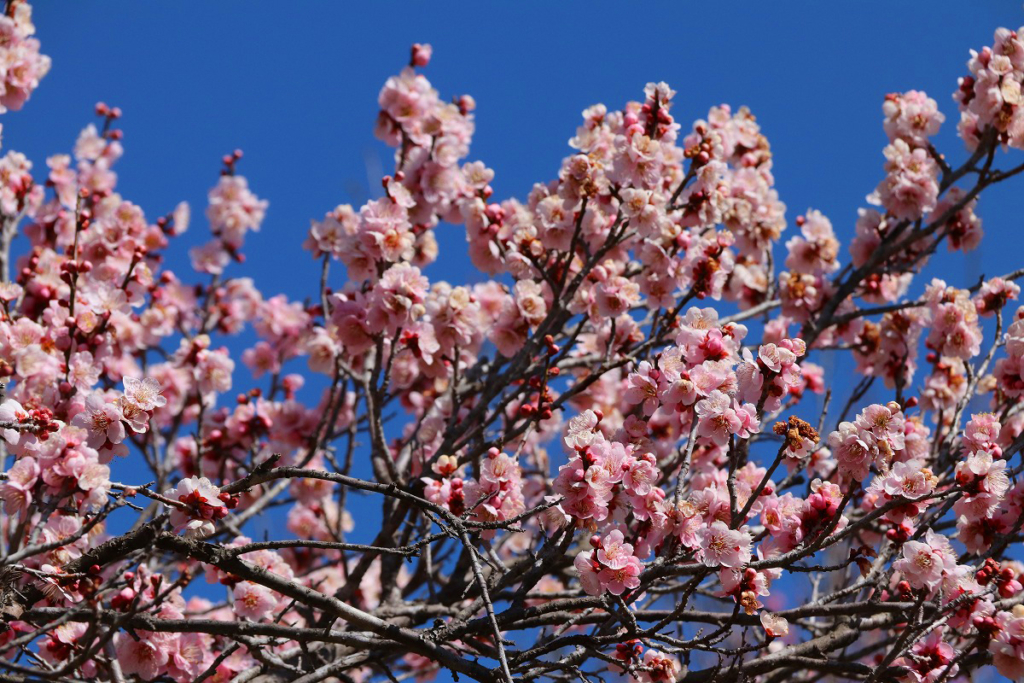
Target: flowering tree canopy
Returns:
[[606, 458]]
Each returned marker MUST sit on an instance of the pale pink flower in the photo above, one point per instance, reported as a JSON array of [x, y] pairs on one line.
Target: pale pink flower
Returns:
[[530, 301], [774, 625], [627, 577], [102, 420], [234, 210], [614, 552], [200, 505], [724, 547], [145, 656], [581, 431], [911, 116], [144, 393], [659, 668], [642, 388], [210, 258], [922, 564], [615, 296], [907, 480], [931, 659], [213, 370], [16, 492], [911, 187], [253, 601], [718, 420], [12, 412], [641, 475], [1007, 647]]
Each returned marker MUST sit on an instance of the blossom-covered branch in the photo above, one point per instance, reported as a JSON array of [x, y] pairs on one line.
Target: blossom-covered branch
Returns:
[[602, 458]]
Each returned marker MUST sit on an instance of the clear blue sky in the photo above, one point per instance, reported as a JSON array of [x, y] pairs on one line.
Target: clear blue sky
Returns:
[[295, 85]]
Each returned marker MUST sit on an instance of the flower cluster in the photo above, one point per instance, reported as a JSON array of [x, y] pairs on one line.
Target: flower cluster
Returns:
[[1007, 647], [612, 567], [983, 477], [20, 62], [990, 97], [496, 496], [233, 211], [1009, 371], [874, 438]]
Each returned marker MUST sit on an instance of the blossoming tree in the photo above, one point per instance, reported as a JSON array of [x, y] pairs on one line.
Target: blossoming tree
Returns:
[[598, 463]]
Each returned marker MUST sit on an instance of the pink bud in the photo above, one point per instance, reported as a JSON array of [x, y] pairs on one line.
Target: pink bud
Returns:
[[421, 53]]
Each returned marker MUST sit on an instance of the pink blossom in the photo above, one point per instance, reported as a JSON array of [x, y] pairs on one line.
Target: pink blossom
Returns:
[[588, 571], [908, 481], [144, 656], [912, 117], [922, 564], [642, 388], [911, 186], [724, 547], [659, 668], [253, 601], [627, 577], [581, 430], [234, 210], [615, 296], [144, 393], [102, 420], [774, 625], [641, 474], [614, 552], [397, 299], [719, 418], [16, 492], [200, 505], [1007, 647]]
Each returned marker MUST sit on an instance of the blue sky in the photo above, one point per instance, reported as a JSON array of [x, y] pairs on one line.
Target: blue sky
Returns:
[[295, 85]]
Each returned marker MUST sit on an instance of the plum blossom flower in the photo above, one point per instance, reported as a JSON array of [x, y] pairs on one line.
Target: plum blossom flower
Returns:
[[922, 564], [907, 480], [724, 547], [234, 210], [717, 418], [11, 412], [253, 601], [144, 393], [641, 475], [627, 577], [614, 552], [642, 388], [774, 625], [144, 656], [23, 65], [581, 430], [911, 116], [1007, 647], [102, 420], [658, 668], [911, 186], [931, 659], [16, 493], [200, 504]]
